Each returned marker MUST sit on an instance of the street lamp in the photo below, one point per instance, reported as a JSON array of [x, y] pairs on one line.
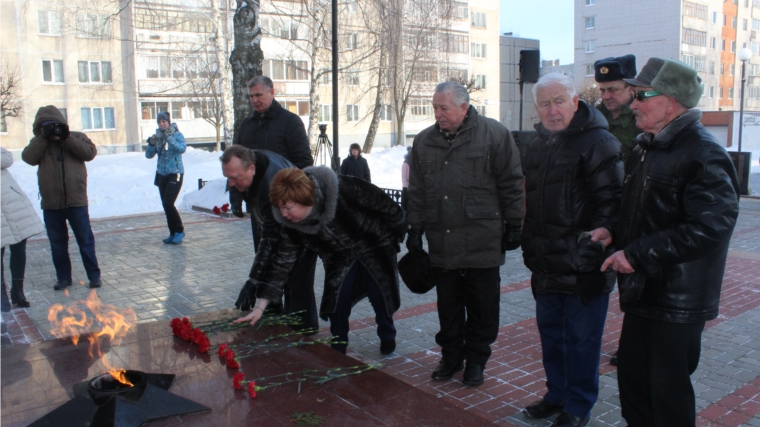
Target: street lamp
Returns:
[[744, 56]]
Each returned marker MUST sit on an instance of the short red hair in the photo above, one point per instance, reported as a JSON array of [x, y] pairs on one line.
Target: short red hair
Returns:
[[291, 185]]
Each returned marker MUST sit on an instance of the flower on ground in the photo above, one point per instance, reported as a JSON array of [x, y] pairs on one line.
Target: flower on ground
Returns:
[[223, 349], [225, 207], [252, 389], [217, 210], [232, 361], [236, 381]]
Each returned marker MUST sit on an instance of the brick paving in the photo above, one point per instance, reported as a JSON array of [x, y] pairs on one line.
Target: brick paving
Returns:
[[205, 273]]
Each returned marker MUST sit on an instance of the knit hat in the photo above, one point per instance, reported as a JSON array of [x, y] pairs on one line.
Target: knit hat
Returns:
[[671, 78], [613, 69], [164, 115]]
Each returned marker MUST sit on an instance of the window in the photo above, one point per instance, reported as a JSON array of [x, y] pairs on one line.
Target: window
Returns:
[[172, 20], [285, 70], [713, 42], [480, 81], [589, 69], [590, 2], [755, 46], [730, 93], [385, 113], [722, 45], [455, 43], [156, 67], [326, 76], [733, 46], [352, 78], [752, 70], [756, 3], [699, 63], [459, 75], [733, 22], [721, 68], [481, 109], [350, 40], [177, 110], [3, 124], [698, 11], [720, 94], [711, 70], [744, 24], [63, 113], [421, 107], [753, 92], [184, 67], [694, 37], [688, 60], [590, 22], [49, 22], [426, 74], [95, 72], [93, 26], [478, 19], [300, 108], [724, 20], [478, 50], [756, 23], [52, 70], [715, 18], [325, 113], [731, 69], [590, 46], [711, 92], [460, 10], [352, 112], [97, 118], [351, 6], [151, 109]]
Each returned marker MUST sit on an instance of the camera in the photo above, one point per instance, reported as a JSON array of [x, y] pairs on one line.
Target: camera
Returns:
[[323, 128], [60, 130]]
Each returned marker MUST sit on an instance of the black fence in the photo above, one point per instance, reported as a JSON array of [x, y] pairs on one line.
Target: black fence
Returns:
[[394, 194]]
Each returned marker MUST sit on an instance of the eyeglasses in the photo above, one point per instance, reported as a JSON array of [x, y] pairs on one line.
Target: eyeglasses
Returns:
[[641, 95]]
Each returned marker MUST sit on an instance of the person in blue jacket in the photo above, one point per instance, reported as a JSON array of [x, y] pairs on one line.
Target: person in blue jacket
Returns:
[[169, 144]]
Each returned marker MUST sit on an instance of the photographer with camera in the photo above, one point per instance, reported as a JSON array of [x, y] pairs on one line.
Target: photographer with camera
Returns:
[[169, 143], [62, 178]]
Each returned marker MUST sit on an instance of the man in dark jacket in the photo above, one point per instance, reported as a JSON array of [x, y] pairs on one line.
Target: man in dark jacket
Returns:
[[355, 164], [466, 195], [250, 172], [617, 96], [573, 181], [277, 130], [679, 207], [62, 177]]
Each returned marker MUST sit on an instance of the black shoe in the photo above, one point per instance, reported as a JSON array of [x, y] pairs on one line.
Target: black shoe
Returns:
[[387, 347], [62, 284], [17, 294], [446, 369], [568, 420], [542, 409], [473, 374], [95, 283], [6, 305], [613, 359]]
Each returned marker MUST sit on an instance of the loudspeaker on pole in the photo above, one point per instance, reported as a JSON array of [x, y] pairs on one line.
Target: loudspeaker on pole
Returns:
[[529, 65]]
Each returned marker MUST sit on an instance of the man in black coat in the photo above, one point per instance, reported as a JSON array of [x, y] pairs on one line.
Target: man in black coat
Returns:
[[250, 172], [679, 208], [573, 180], [355, 164], [277, 130]]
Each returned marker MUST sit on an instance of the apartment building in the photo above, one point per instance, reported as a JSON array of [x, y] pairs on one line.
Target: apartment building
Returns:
[[111, 67], [706, 34], [510, 86]]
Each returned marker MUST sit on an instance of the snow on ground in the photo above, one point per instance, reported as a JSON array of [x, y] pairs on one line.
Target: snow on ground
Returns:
[[122, 184]]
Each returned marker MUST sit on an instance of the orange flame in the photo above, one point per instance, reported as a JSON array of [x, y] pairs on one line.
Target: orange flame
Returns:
[[73, 321]]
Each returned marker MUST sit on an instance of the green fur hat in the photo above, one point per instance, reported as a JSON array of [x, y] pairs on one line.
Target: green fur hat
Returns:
[[672, 78]]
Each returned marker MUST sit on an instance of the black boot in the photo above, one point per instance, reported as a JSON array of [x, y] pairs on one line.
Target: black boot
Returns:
[[17, 293], [6, 305]]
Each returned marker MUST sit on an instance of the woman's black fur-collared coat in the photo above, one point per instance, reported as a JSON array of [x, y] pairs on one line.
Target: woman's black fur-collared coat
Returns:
[[352, 221]]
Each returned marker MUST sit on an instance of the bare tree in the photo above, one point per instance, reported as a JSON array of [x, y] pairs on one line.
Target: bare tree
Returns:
[[589, 92], [247, 57], [204, 92], [11, 101]]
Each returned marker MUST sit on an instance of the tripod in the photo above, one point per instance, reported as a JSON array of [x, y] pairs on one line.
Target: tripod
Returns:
[[323, 153]]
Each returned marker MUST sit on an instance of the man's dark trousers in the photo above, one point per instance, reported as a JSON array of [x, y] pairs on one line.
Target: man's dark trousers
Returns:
[[299, 289], [571, 342], [58, 233], [468, 311], [655, 362]]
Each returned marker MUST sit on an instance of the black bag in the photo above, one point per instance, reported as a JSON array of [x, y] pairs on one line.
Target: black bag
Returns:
[[415, 270]]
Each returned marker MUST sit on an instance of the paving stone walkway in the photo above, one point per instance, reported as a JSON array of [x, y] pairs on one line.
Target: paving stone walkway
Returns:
[[205, 273]]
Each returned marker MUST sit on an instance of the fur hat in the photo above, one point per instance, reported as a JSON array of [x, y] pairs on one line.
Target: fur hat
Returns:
[[416, 272], [671, 78], [613, 69], [355, 146], [164, 115]]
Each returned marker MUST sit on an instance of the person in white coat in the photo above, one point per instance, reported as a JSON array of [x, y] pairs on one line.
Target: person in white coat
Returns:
[[19, 222]]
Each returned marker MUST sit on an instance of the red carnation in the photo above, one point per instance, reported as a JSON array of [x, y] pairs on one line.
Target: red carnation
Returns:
[[204, 345], [251, 389], [225, 207], [236, 381], [232, 360], [217, 210], [186, 333], [223, 348]]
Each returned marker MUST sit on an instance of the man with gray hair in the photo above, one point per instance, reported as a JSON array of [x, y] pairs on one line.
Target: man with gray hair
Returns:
[[679, 208], [272, 127], [466, 196], [573, 180]]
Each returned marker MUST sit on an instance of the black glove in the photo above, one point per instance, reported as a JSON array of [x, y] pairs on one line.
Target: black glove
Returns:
[[511, 238], [237, 210], [151, 140], [247, 297], [590, 254], [414, 241], [50, 130]]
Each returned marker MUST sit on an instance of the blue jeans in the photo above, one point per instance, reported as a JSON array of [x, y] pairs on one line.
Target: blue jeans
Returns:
[[58, 233], [571, 342]]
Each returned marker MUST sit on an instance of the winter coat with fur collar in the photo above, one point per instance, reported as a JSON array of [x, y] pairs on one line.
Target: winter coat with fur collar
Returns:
[[19, 220], [352, 221]]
